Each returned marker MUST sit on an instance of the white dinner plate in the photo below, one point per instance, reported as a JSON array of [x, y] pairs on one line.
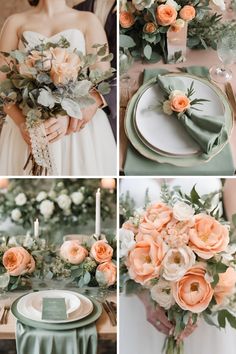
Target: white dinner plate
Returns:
[[165, 134], [25, 309]]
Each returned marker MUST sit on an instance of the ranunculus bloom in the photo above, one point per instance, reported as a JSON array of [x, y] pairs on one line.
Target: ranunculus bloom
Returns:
[[177, 25], [166, 15], [183, 211], [155, 218], [101, 251], [126, 19], [72, 252], [187, 13], [65, 66], [208, 236], [176, 233], [193, 292], [106, 273], [18, 261], [177, 261], [144, 260], [225, 286], [179, 103], [150, 27]]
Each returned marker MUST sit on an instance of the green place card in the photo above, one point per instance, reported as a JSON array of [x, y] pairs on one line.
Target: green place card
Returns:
[[54, 309]]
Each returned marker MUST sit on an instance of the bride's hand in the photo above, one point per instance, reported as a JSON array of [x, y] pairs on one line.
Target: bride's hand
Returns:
[[56, 128], [25, 134], [75, 125]]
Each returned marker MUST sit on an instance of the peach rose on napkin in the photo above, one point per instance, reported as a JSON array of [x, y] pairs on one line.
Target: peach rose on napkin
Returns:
[[166, 15], [144, 260], [18, 261], [187, 13], [225, 286], [106, 273], [179, 103], [155, 218], [101, 251], [72, 252], [126, 19], [208, 236], [193, 292], [65, 66]]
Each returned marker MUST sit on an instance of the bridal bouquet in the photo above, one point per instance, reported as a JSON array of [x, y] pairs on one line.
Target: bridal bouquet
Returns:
[[51, 80], [178, 250]]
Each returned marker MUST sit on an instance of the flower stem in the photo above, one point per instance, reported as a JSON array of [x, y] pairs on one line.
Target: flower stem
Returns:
[[172, 346]]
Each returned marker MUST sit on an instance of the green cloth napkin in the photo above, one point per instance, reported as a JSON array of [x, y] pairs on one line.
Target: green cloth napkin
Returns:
[[54, 309], [138, 165], [31, 340], [208, 132]]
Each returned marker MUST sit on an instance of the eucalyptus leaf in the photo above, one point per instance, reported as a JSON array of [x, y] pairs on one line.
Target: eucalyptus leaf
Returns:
[[87, 278], [72, 108], [18, 55], [46, 98], [82, 88], [126, 41], [85, 101], [104, 88], [147, 51]]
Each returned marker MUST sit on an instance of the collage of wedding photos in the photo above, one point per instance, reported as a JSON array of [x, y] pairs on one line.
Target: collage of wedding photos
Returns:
[[117, 176]]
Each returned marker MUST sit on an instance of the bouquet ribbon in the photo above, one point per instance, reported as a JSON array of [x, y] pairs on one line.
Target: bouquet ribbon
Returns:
[[207, 131]]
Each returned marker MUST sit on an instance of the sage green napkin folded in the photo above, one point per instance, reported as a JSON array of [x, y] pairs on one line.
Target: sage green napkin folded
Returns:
[[208, 132], [31, 340], [54, 309]]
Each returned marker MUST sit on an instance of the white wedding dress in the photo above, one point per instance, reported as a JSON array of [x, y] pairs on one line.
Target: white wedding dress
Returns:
[[136, 334], [91, 152]]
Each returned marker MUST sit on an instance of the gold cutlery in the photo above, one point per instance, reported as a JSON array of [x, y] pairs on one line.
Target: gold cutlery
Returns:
[[230, 94], [6, 315], [3, 315], [111, 308], [109, 313]]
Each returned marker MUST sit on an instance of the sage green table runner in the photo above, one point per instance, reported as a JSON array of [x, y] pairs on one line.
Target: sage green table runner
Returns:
[[136, 164]]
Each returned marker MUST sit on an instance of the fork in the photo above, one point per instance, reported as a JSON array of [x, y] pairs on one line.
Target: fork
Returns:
[[3, 315], [5, 320]]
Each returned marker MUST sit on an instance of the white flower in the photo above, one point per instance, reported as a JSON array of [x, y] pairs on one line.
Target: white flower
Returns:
[[177, 261], [176, 93], [28, 242], [20, 199], [220, 4], [127, 241], [77, 198], [162, 294], [12, 241], [46, 208], [167, 108], [228, 255], [173, 4], [16, 214], [64, 201], [52, 194], [142, 4], [182, 211], [41, 196]]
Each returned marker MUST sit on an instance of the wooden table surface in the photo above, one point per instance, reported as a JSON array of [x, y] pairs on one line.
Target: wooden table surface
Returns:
[[104, 328]]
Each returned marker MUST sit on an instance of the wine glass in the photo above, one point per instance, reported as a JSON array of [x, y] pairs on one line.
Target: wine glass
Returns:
[[226, 50], [4, 281]]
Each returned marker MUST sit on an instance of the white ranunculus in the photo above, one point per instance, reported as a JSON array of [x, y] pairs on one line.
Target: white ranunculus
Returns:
[[176, 93], [183, 211], [167, 108], [77, 198], [41, 196], [173, 4], [177, 261], [162, 294], [220, 4], [127, 241], [16, 214], [46, 208], [64, 201], [20, 199]]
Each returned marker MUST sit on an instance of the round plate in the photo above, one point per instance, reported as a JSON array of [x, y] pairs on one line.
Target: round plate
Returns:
[[96, 313], [184, 161], [84, 310]]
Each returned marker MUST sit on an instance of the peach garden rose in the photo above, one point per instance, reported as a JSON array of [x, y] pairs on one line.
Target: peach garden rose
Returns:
[[101, 251], [166, 15], [179, 103], [226, 285], [18, 261], [106, 273], [187, 13], [72, 252], [150, 27], [126, 19]]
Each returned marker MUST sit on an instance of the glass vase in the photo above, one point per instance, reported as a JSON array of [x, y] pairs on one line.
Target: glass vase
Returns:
[[177, 45], [172, 346]]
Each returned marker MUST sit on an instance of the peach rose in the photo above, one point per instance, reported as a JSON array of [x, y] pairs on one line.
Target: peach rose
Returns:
[[208, 236], [18, 261], [128, 225], [126, 19], [155, 218], [144, 260], [166, 15], [65, 66], [150, 27], [225, 286], [72, 251], [101, 251], [193, 292], [187, 13], [177, 25], [179, 103], [106, 273]]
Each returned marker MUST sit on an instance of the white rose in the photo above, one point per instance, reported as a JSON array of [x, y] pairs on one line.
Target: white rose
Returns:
[[127, 241], [176, 93], [64, 201], [20, 199], [220, 4], [41, 196], [173, 4], [12, 241], [16, 214], [176, 262], [77, 198], [142, 4], [183, 211], [162, 294], [167, 108], [46, 208], [229, 254]]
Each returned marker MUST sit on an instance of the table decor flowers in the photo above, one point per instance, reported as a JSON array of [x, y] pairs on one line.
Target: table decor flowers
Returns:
[[179, 251], [50, 80]]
